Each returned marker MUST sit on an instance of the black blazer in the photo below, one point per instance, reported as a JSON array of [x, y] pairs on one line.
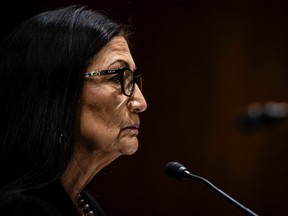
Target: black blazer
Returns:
[[51, 200]]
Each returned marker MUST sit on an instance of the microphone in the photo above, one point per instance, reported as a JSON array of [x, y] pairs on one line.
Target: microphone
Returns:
[[258, 116], [178, 171]]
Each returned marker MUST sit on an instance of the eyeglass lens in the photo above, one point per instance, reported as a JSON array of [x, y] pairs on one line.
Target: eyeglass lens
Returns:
[[129, 80]]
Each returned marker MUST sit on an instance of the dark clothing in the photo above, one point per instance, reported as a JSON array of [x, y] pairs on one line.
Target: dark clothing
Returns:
[[51, 200]]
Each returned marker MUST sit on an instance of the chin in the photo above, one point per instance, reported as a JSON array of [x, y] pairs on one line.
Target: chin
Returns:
[[130, 148]]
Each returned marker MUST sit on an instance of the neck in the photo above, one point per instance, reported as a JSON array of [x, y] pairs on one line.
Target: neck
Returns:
[[81, 169]]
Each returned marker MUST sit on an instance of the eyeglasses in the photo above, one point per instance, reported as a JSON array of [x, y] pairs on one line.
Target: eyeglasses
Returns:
[[126, 76]]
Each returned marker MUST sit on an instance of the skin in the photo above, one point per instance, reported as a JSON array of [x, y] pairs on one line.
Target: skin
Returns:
[[109, 120]]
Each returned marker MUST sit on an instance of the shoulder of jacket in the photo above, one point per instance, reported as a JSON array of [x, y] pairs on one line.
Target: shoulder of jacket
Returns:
[[23, 204]]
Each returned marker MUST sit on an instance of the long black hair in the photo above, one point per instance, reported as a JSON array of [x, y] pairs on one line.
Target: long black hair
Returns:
[[41, 78]]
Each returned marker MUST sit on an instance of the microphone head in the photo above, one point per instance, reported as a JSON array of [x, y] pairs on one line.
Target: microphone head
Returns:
[[176, 170]]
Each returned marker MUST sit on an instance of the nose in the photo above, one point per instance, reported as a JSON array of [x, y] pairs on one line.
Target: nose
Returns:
[[137, 102]]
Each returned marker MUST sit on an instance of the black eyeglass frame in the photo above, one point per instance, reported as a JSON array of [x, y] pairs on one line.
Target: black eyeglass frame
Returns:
[[137, 78]]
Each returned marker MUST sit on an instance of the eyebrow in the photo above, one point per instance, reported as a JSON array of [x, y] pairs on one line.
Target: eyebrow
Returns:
[[125, 63]]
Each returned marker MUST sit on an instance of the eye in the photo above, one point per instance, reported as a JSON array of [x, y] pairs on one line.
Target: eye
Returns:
[[116, 79]]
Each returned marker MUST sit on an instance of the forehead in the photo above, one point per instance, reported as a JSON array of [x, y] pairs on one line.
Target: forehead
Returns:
[[114, 54]]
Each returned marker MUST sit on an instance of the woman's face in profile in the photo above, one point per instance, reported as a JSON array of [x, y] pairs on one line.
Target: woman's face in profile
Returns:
[[109, 120]]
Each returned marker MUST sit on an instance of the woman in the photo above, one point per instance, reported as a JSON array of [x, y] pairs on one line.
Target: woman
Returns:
[[70, 104]]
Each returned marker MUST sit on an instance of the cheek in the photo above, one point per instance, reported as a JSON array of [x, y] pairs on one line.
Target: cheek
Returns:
[[100, 120], [97, 106]]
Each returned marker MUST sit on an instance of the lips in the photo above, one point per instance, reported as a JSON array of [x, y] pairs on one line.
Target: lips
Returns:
[[133, 126]]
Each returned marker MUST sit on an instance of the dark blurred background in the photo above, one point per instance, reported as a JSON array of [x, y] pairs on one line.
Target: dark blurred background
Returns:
[[204, 61]]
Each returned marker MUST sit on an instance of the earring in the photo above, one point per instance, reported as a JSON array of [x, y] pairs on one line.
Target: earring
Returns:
[[60, 138]]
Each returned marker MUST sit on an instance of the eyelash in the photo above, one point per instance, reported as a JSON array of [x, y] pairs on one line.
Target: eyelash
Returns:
[[116, 79]]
